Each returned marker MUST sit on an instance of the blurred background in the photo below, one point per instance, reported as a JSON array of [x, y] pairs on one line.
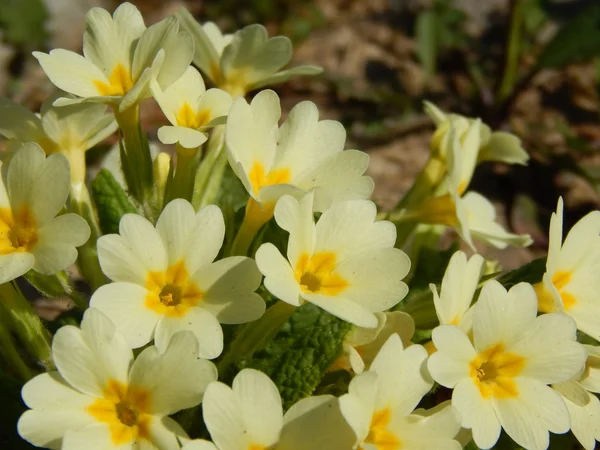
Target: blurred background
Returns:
[[531, 67]]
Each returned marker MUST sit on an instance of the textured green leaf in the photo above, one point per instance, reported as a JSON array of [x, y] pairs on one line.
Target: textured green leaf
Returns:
[[530, 273], [111, 201], [578, 40], [302, 350]]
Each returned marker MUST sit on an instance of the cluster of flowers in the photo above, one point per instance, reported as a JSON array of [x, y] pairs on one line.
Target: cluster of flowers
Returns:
[[143, 349]]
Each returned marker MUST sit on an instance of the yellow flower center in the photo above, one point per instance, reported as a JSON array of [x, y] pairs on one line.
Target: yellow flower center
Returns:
[[257, 447], [187, 117], [126, 410], [315, 274], [119, 82], [259, 179], [493, 371], [438, 210], [18, 230], [236, 83], [379, 435], [545, 298], [172, 293]]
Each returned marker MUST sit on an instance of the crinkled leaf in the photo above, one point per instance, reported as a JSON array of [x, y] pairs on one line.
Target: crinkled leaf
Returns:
[[302, 350], [111, 201]]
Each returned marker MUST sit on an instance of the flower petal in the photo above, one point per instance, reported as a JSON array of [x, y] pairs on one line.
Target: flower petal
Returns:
[[228, 287], [93, 437], [200, 322], [450, 364], [279, 276], [343, 308], [186, 137], [177, 378], [125, 305], [14, 265]]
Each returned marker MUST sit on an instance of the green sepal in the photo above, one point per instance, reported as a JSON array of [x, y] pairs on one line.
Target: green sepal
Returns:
[[111, 201]]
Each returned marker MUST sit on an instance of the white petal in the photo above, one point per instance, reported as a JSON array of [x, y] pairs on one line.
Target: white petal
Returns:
[[374, 278], [206, 55], [228, 287], [251, 133], [92, 437], [199, 444], [164, 433], [14, 265], [296, 217], [125, 305], [350, 227], [186, 137], [450, 364], [175, 226], [144, 241], [216, 102], [200, 322], [260, 405], [400, 376], [552, 355], [584, 422], [119, 262], [207, 239], [67, 229], [46, 428], [476, 413], [71, 72], [315, 422], [187, 89], [90, 357], [344, 309], [18, 122], [499, 316], [177, 378], [528, 417], [279, 276], [223, 418]]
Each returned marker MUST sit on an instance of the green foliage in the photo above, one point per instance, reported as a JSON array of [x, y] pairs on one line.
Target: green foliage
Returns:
[[437, 29], [22, 22], [530, 273], [578, 40], [296, 360], [111, 201]]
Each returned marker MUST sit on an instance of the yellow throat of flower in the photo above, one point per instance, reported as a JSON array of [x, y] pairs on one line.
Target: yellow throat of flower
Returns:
[[172, 293], [379, 435], [119, 82], [493, 371], [315, 274], [18, 230], [189, 118], [126, 410]]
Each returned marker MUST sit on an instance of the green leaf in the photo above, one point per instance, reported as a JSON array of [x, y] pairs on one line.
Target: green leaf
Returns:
[[578, 40], [22, 22], [111, 201], [529, 273], [427, 40], [303, 349]]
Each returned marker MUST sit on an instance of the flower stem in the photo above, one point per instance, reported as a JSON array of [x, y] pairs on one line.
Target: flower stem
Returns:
[[26, 324], [87, 260], [210, 172], [181, 185], [253, 336], [10, 352], [136, 160], [255, 217]]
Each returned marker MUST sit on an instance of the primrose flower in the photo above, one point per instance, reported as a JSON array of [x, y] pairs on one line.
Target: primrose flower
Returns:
[[191, 109], [452, 304], [583, 405], [345, 264], [249, 416], [31, 236], [244, 61], [492, 146], [380, 404], [571, 283], [470, 214], [70, 130], [101, 398], [361, 345], [166, 280], [121, 57], [500, 378], [304, 155]]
